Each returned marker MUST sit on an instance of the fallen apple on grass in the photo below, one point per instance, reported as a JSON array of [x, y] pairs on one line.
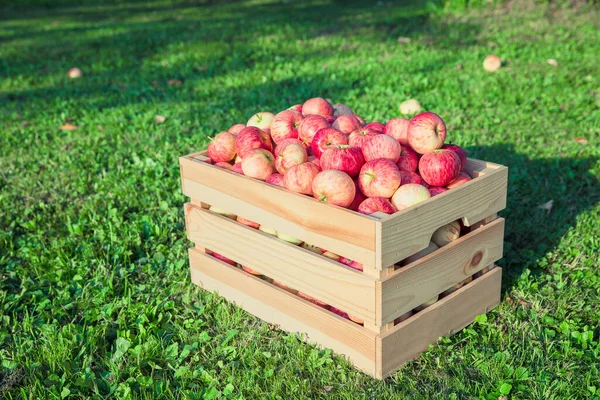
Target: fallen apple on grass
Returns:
[[259, 164], [446, 234], [492, 63], [379, 178], [381, 146], [409, 195], [410, 106], [299, 178], [439, 167], [285, 125], [426, 132], [334, 187], [222, 147]]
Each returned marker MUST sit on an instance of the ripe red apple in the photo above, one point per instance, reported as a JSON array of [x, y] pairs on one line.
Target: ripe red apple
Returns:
[[492, 63], [411, 177], [222, 147], [440, 167], [251, 271], [325, 138], [376, 126], [446, 234], [403, 317], [460, 179], [224, 165], [462, 154], [299, 178], [296, 107], [379, 178], [309, 127], [235, 129], [410, 106], [360, 136], [284, 143], [376, 204], [426, 132], [275, 179], [333, 187], [313, 300], [315, 161], [259, 164], [292, 154], [341, 109], [247, 222], [381, 146], [408, 195], [435, 190], [285, 125], [75, 73], [250, 138], [359, 197], [223, 258], [237, 168], [346, 123], [339, 312], [409, 160], [317, 106], [343, 158], [352, 264], [398, 129]]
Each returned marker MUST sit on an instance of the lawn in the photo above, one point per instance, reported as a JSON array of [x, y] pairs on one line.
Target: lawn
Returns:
[[95, 298]]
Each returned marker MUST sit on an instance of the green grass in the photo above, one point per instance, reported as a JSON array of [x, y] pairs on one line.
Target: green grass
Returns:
[[95, 298]]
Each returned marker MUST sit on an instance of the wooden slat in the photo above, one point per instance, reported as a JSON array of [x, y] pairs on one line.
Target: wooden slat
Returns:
[[341, 231], [324, 279], [477, 168], [290, 312], [407, 339], [414, 284], [410, 230]]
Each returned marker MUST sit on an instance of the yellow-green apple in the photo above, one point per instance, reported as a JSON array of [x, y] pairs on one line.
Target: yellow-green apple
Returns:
[[381, 146], [339, 312], [492, 63], [334, 187], [315, 161], [352, 264], [290, 155], [259, 164], [435, 190], [75, 73], [346, 123], [235, 129], [359, 197], [331, 255], [296, 107], [224, 165], [309, 126], [299, 178], [398, 129], [360, 136], [285, 287], [267, 230], [446, 234], [325, 138], [262, 120], [284, 143], [317, 106], [222, 147], [426, 132], [418, 255], [313, 248], [403, 317], [313, 300], [410, 106], [409, 160], [409, 195], [343, 158], [238, 159], [376, 204], [251, 271], [222, 212], [275, 179], [440, 167], [223, 258], [376, 126], [463, 177], [237, 168], [428, 303], [379, 178], [411, 177], [285, 125], [341, 109], [289, 239], [251, 138], [247, 222], [462, 154]]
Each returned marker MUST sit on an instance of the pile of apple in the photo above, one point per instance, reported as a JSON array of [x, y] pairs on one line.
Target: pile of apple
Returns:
[[328, 152]]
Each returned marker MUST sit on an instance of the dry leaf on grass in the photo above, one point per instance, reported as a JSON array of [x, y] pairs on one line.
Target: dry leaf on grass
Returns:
[[175, 82], [547, 206], [68, 127], [328, 388], [403, 40], [581, 140], [160, 119]]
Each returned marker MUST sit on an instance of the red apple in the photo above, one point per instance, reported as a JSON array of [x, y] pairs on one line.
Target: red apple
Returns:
[[462, 154], [285, 125], [446, 234], [309, 126], [285, 287], [347, 123], [275, 179], [398, 129], [262, 120], [435, 190], [325, 138], [237, 168], [352, 264], [426, 132], [381, 146], [409, 160], [299, 178], [376, 126], [408, 195], [292, 154], [75, 73], [313, 300], [247, 222], [250, 138], [411, 177], [376, 204], [235, 129], [343, 158], [440, 167], [251, 271], [403, 317], [296, 107], [341, 109], [224, 165], [317, 106], [492, 63], [223, 258], [259, 164], [339, 312], [333, 187], [379, 178], [359, 197], [222, 147], [329, 119], [285, 142], [360, 136], [460, 179], [315, 161]]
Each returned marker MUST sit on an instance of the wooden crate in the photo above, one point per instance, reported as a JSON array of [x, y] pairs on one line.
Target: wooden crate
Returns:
[[379, 294]]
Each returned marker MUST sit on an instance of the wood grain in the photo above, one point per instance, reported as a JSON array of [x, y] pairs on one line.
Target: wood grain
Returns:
[[407, 339], [414, 284], [290, 312]]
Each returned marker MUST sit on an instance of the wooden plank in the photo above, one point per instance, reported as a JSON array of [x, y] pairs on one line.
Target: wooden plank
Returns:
[[446, 317], [409, 231], [477, 168], [414, 284], [319, 277], [290, 312]]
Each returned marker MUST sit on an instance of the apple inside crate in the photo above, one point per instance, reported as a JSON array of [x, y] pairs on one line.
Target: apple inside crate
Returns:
[[433, 294]]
